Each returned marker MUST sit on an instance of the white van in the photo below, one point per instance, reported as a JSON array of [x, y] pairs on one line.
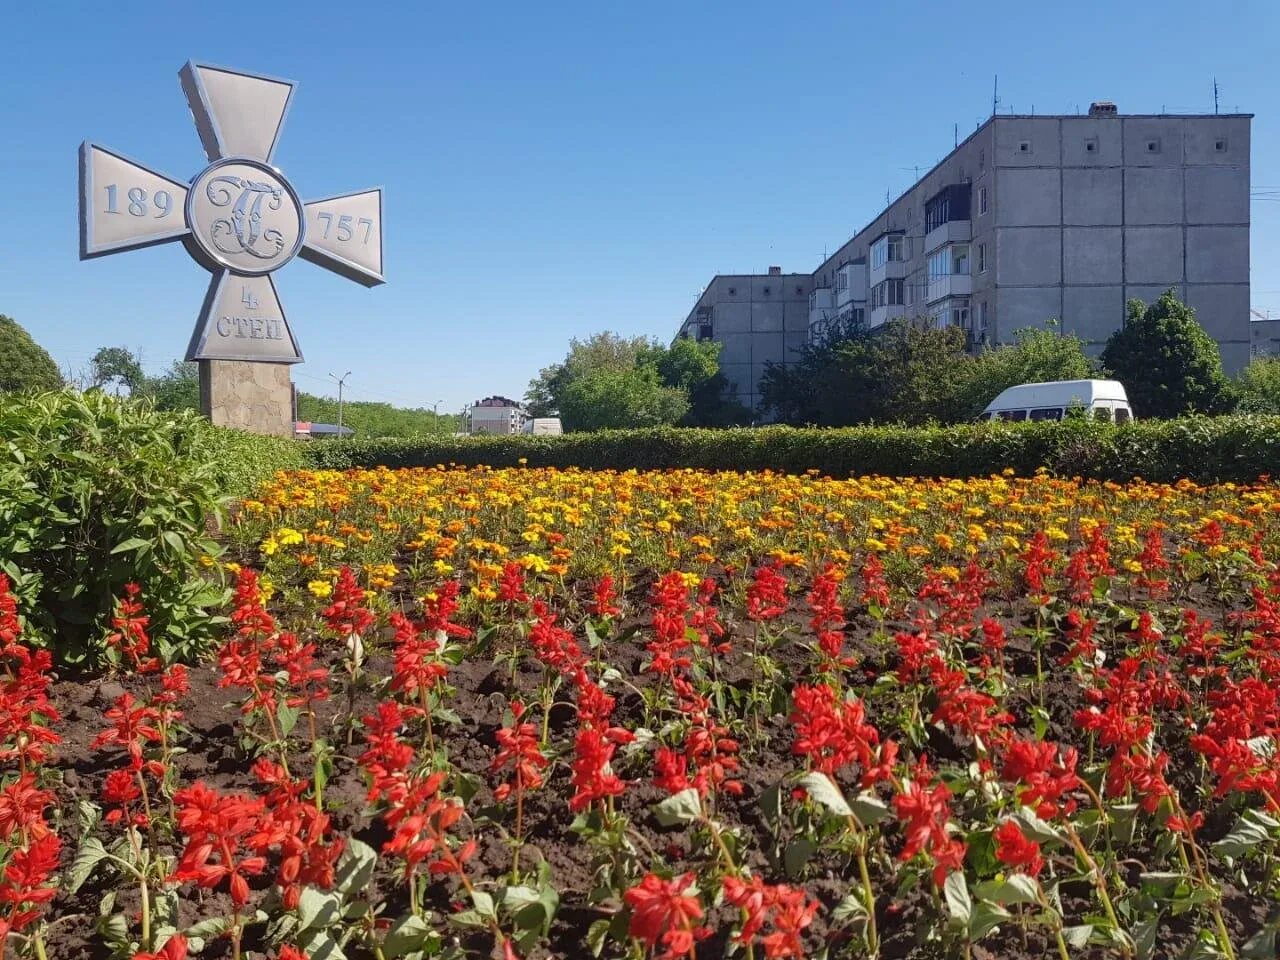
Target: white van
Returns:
[[1104, 399]]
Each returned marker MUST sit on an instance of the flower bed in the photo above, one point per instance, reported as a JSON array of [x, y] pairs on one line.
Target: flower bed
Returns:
[[546, 713]]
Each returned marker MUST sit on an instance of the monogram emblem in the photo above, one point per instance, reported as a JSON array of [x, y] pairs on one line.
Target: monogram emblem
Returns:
[[242, 230], [244, 216]]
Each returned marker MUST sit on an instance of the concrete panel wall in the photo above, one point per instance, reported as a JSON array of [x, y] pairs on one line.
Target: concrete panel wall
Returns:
[[1217, 140], [1029, 198], [767, 317], [1153, 195], [1162, 133], [1092, 255], [1092, 313], [735, 349], [1091, 141], [731, 317], [1092, 197], [1153, 254], [1150, 294], [1027, 142], [1028, 255], [1222, 309], [1218, 254], [1217, 194], [796, 316], [1020, 307]]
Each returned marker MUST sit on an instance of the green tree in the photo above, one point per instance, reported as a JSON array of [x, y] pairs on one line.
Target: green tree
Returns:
[[372, 419], [178, 388], [648, 384], [1168, 364], [610, 398], [1258, 386], [24, 364], [1037, 355], [117, 365]]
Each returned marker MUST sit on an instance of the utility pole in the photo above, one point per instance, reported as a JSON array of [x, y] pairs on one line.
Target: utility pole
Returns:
[[341, 381], [435, 413]]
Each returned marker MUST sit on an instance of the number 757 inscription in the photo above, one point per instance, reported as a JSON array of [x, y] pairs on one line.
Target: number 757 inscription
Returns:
[[344, 231]]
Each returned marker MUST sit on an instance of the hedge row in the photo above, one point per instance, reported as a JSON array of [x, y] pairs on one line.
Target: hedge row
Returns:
[[1239, 448]]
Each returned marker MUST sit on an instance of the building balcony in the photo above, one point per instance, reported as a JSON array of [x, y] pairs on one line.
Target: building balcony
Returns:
[[851, 284], [882, 315], [822, 305], [951, 285], [953, 231], [890, 270]]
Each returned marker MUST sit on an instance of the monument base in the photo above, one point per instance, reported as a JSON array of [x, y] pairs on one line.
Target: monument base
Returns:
[[247, 395]]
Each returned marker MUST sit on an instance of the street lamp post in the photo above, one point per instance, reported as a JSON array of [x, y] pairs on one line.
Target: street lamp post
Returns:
[[341, 383]]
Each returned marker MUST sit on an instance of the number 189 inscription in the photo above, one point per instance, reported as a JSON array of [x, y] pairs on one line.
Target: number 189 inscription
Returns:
[[137, 205]]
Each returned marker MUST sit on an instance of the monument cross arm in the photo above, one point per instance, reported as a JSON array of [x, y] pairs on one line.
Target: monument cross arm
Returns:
[[239, 217]]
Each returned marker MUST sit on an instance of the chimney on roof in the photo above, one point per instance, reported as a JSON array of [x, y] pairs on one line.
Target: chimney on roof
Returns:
[[1102, 108], [775, 271]]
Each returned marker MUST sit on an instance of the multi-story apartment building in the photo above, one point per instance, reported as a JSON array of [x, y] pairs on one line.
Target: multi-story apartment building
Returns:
[[496, 415], [1033, 218]]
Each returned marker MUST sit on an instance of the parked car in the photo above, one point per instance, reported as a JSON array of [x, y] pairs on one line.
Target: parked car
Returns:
[[1104, 399]]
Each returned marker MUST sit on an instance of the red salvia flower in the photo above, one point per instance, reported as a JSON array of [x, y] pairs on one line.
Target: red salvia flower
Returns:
[[767, 595], [785, 908], [518, 749], [130, 639], [511, 586], [664, 912], [347, 615], [1014, 848], [604, 598], [175, 948]]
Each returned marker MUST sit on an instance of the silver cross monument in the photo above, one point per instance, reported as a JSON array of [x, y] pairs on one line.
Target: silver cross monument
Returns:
[[238, 217]]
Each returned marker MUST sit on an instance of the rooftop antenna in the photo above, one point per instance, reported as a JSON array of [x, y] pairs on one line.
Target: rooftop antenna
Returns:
[[1215, 96], [955, 135], [995, 94]]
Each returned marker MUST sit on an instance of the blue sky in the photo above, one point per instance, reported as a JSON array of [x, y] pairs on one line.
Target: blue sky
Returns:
[[556, 169]]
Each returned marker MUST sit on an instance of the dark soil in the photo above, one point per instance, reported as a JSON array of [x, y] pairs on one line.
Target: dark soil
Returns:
[[483, 687]]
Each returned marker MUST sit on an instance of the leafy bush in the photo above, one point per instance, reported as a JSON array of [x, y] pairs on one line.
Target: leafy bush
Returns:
[[97, 492], [1204, 449], [24, 364]]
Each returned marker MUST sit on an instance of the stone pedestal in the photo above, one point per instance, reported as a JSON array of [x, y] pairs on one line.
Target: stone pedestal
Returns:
[[247, 395]]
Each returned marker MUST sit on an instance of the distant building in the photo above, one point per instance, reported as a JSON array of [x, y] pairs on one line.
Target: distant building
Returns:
[[307, 430], [496, 415], [1265, 338], [1027, 219]]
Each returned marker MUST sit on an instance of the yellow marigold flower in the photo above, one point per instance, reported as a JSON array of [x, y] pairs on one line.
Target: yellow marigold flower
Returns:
[[206, 560], [944, 541], [1133, 566], [269, 546], [949, 572], [268, 589], [441, 567], [320, 588], [1056, 533], [288, 537], [531, 561], [231, 566], [874, 545], [618, 550], [976, 533], [1010, 543]]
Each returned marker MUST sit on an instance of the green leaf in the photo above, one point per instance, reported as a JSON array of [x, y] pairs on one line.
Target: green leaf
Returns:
[[679, 808], [824, 791], [956, 893], [133, 543], [317, 910], [175, 542], [597, 933], [850, 910], [869, 809], [483, 904], [114, 930], [798, 853], [317, 944], [1036, 829], [407, 934], [1017, 888], [90, 854], [355, 869], [1261, 946], [1078, 936], [288, 717], [986, 917], [1251, 828]]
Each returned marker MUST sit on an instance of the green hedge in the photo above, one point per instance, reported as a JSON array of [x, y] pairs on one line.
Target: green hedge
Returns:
[[1239, 448]]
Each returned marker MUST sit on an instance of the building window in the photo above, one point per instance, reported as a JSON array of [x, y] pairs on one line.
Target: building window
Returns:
[[950, 203], [982, 316], [982, 258], [1220, 146], [951, 260], [887, 293], [1091, 145], [842, 281], [1024, 146], [982, 200], [1153, 146], [799, 291], [765, 291], [704, 332], [893, 246], [982, 159], [733, 291]]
